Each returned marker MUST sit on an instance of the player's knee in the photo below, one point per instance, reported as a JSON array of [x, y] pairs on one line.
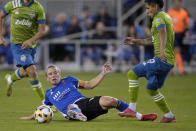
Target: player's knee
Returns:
[[113, 102], [23, 72], [31, 71], [131, 75], [108, 102]]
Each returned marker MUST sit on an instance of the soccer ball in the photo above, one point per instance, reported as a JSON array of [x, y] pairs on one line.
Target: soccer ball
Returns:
[[43, 114]]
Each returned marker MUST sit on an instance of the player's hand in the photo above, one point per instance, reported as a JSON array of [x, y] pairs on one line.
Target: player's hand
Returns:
[[31, 117], [106, 68], [27, 44], [129, 41], [163, 57]]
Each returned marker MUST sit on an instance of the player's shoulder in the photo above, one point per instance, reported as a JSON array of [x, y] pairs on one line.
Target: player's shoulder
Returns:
[[184, 11], [161, 16], [70, 78], [38, 4], [171, 11], [10, 4]]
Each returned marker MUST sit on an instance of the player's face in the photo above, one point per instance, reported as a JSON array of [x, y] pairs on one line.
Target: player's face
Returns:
[[177, 4], [53, 75], [150, 10]]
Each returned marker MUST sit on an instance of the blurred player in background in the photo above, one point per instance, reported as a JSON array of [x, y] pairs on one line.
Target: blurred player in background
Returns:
[[27, 26], [180, 22], [155, 70], [64, 95]]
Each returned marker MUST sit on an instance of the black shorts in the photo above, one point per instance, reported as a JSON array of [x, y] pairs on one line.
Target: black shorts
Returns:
[[91, 108]]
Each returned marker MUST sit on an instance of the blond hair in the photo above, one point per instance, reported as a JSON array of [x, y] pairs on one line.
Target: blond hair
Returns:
[[52, 66]]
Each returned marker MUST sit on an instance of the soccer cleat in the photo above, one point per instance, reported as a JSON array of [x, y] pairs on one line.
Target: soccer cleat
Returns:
[[76, 115], [167, 120], [127, 113], [9, 85], [149, 117]]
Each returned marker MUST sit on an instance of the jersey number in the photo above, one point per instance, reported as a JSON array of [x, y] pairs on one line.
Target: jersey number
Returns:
[[150, 61]]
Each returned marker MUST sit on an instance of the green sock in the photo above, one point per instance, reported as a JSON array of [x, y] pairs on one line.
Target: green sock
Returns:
[[159, 99], [16, 75], [133, 86], [37, 88]]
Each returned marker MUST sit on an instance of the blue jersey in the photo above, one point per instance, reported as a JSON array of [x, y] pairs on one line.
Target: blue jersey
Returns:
[[64, 94]]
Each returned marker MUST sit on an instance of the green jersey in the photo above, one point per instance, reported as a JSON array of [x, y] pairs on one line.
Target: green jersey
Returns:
[[24, 20], [163, 20]]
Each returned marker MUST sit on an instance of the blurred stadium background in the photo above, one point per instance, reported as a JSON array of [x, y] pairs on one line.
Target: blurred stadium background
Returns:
[[83, 34]]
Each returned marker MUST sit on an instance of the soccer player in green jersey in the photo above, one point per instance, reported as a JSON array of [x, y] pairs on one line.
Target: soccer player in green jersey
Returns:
[[154, 70], [27, 26]]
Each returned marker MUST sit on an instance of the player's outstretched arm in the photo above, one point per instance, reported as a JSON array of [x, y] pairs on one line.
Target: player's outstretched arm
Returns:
[[133, 41], [95, 81]]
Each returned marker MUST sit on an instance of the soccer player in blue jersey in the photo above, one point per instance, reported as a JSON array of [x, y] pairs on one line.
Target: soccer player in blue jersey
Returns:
[[27, 26], [155, 70], [64, 95], [72, 104]]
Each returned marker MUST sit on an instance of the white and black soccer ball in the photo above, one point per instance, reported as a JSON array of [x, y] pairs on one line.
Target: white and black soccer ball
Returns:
[[43, 114]]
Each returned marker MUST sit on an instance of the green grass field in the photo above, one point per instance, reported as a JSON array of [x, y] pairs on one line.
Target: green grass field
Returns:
[[180, 93]]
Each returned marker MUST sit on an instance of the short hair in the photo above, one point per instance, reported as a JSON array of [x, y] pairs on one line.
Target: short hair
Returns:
[[52, 66], [160, 3]]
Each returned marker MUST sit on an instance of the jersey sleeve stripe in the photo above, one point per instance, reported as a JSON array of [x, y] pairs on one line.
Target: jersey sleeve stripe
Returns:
[[19, 5], [16, 3], [41, 21], [13, 3], [4, 11], [161, 26]]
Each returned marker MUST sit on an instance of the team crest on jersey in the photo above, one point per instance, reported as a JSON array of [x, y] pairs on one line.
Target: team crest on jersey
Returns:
[[16, 13], [175, 20], [32, 15], [51, 92], [158, 20], [23, 58], [63, 82]]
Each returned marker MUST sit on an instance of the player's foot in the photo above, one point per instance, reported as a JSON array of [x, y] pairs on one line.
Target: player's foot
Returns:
[[9, 85], [76, 115], [149, 117], [31, 117], [127, 113], [167, 120]]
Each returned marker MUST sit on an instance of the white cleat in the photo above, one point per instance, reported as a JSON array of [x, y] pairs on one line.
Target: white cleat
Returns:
[[76, 115], [9, 85]]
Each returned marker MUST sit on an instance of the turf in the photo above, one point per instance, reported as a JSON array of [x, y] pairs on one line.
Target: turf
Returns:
[[180, 93]]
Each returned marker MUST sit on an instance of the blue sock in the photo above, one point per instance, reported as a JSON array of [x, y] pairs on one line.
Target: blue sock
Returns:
[[122, 105], [76, 110]]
